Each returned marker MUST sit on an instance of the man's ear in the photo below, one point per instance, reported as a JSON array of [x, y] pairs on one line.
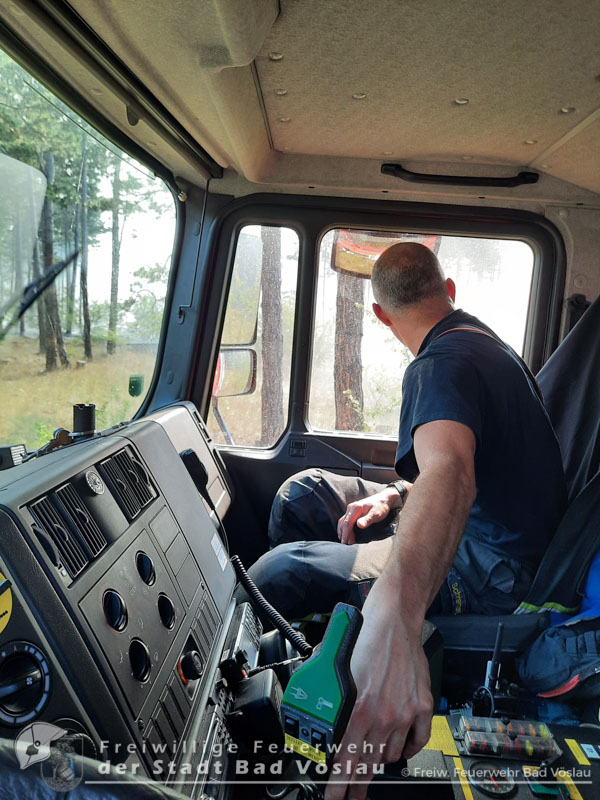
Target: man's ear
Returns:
[[381, 315], [451, 286]]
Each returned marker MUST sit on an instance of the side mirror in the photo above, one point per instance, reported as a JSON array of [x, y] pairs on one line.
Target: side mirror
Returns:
[[356, 251], [235, 373]]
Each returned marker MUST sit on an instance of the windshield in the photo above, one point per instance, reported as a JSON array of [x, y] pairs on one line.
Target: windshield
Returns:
[[66, 192]]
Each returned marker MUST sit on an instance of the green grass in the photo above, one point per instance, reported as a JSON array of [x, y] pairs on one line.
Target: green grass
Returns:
[[34, 402]]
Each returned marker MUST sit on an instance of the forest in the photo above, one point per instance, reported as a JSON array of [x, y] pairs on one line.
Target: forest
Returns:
[[99, 322]]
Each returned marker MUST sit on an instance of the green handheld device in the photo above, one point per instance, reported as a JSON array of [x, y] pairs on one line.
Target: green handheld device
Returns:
[[320, 695]]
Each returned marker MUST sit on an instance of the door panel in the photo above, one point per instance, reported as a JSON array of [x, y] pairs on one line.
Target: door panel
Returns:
[[257, 477]]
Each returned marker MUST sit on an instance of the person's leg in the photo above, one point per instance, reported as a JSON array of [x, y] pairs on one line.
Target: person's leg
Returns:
[[308, 506], [300, 578]]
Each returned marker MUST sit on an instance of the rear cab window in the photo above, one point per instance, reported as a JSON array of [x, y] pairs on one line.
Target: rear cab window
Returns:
[[357, 363]]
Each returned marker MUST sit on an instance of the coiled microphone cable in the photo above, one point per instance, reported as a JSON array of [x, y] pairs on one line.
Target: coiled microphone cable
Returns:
[[294, 637]]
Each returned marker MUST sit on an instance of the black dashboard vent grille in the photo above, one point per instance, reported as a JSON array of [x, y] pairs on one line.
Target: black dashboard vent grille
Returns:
[[72, 556], [128, 480], [208, 626], [80, 521]]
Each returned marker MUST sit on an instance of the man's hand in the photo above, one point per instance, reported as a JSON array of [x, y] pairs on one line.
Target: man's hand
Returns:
[[365, 512], [392, 714]]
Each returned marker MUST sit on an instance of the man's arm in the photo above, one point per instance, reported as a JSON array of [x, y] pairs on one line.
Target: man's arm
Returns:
[[394, 705], [365, 512]]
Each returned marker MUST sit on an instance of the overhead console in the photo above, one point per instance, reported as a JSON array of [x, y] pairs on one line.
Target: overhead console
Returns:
[[116, 592]]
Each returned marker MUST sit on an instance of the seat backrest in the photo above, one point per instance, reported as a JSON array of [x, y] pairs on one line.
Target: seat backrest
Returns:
[[571, 387], [558, 584]]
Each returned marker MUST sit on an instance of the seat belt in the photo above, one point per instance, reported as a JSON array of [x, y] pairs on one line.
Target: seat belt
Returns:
[[528, 373]]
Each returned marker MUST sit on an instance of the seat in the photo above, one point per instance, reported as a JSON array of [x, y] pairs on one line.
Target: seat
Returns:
[[569, 383], [572, 397]]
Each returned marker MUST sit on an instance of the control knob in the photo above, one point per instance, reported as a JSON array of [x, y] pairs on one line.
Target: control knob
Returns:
[[191, 665], [24, 683]]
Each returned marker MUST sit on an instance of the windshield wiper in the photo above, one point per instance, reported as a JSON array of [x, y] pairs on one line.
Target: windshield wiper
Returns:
[[32, 292]]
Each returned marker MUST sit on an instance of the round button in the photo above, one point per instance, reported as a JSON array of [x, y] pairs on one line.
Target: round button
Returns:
[[191, 665], [145, 567], [139, 658], [166, 610], [115, 609]]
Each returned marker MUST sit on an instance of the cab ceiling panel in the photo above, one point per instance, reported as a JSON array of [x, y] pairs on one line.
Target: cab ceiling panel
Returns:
[[376, 79]]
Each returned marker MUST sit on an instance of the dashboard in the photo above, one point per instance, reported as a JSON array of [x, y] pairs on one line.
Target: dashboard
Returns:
[[116, 601]]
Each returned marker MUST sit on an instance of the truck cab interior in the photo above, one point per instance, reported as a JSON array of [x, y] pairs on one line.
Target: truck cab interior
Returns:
[[193, 196]]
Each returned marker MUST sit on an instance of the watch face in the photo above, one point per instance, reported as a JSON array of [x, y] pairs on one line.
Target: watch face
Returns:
[[94, 481]]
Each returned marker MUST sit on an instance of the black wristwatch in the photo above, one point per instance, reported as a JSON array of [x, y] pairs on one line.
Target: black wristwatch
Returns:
[[400, 487]]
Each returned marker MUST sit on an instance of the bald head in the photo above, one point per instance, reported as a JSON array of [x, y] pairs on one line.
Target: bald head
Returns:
[[405, 274]]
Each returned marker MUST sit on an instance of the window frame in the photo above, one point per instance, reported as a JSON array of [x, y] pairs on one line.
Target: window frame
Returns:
[[312, 218]]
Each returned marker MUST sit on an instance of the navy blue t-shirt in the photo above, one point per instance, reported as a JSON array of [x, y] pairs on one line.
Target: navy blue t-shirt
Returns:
[[477, 380]]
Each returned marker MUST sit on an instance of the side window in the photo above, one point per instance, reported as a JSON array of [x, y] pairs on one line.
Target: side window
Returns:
[[357, 364], [70, 197], [251, 384]]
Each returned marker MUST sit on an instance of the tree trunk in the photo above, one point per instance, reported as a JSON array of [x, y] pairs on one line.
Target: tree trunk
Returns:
[[83, 286], [72, 278], [19, 280], [347, 368], [48, 259], [36, 269], [111, 343], [272, 418], [55, 345]]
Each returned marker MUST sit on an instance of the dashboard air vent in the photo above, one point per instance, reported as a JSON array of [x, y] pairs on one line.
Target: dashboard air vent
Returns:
[[79, 520], [207, 626], [128, 480], [50, 521]]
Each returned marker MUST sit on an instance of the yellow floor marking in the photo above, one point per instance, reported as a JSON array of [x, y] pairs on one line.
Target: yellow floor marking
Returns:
[[441, 737], [304, 749], [568, 780], [462, 777], [577, 752]]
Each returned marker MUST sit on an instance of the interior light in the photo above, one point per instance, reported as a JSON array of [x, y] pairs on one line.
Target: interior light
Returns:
[[387, 152], [281, 92], [567, 110], [531, 141], [275, 56], [467, 158], [284, 119], [461, 101], [544, 166], [359, 96]]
